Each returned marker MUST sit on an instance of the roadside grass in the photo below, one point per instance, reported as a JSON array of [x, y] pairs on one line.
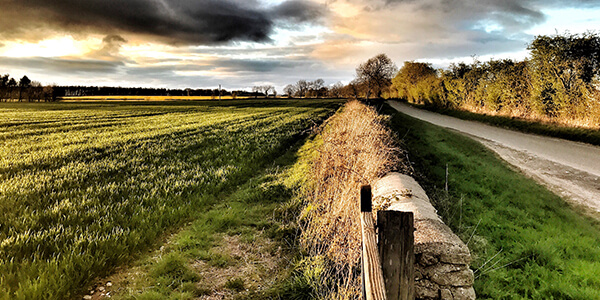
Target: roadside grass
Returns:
[[526, 242], [578, 134], [86, 187]]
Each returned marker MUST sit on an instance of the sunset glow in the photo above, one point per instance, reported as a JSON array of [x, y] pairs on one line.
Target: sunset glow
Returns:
[[241, 43]]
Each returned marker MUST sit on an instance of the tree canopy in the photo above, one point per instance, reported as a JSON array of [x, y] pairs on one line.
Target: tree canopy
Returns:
[[376, 73]]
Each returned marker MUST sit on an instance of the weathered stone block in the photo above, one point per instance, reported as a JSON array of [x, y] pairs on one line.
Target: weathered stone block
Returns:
[[450, 275], [427, 259], [445, 294], [426, 289], [464, 293]]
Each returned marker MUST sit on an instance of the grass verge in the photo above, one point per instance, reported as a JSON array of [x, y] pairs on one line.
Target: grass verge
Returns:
[[355, 148], [578, 134], [526, 242], [242, 246]]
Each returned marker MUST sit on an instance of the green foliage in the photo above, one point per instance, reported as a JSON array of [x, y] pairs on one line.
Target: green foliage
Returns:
[[563, 68], [416, 82], [560, 80], [526, 242], [87, 186]]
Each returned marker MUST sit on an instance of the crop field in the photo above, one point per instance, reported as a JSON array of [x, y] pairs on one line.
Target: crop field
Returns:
[[84, 187], [146, 98]]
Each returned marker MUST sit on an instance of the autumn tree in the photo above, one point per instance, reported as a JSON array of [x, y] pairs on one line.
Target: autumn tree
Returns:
[[376, 73], [335, 91], [413, 81]]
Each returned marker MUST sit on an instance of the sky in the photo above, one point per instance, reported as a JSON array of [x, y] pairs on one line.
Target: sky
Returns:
[[244, 43]]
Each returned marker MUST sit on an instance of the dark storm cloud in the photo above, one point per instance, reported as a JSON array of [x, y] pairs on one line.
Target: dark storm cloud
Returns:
[[172, 21], [111, 45], [299, 11]]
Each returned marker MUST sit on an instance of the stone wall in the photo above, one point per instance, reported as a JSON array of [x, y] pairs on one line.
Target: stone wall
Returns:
[[441, 258]]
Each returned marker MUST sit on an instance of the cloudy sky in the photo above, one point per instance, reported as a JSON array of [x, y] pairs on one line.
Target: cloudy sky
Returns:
[[242, 43]]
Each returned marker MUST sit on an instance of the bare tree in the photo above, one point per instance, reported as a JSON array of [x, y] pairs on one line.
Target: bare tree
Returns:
[[315, 87], [376, 73], [256, 89], [335, 91], [302, 87], [290, 90], [266, 88]]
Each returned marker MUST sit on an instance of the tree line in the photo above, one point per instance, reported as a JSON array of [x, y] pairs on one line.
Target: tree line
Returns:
[[24, 90], [373, 80], [78, 91], [560, 80]]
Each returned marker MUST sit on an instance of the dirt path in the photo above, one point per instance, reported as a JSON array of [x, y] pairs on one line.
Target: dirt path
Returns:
[[570, 169]]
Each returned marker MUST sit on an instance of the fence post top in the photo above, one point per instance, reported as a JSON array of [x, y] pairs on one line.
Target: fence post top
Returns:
[[366, 197]]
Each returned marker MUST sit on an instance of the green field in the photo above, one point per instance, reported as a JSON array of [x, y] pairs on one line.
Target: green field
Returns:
[[527, 243], [84, 187]]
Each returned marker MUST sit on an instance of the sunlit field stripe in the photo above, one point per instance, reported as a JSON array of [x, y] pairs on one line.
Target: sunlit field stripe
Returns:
[[78, 198]]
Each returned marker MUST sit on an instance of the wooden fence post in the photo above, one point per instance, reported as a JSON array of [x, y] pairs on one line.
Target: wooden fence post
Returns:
[[396, 249], [373, 285]]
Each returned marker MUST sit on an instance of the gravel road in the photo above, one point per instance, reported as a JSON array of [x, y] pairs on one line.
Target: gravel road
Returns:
[[570, 169]]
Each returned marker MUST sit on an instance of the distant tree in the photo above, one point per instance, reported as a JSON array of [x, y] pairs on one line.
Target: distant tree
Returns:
[[335, 91], [353, 89], [266, 89], [289, 90], [302, 88], [34, 91], [314, 87], [376, 73], [49, 93], [24, 83], [256, 90], [11, 85], [4, 86]]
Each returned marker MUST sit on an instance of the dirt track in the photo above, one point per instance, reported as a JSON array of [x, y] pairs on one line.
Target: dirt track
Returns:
[[570, 169]]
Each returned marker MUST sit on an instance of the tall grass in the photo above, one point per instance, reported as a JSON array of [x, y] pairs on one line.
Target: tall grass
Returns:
[[83, 187], [355, 148]]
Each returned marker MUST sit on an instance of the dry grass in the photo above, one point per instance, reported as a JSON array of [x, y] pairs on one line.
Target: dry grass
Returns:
[[355, 148], [586, 115]]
